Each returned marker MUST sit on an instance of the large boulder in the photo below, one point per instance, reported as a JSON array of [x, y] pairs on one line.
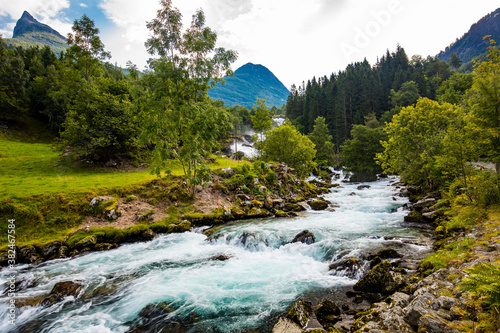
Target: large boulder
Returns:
[[300, 312], [328, 313], [387, 316], [305, 237], [29, 254], [51, 250], [286, 325], [380, 279], [424, 203], [62, 290], [350, 267], [432, 323], [318, 204]]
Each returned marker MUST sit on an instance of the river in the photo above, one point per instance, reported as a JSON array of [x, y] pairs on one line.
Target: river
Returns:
[[263, 275]]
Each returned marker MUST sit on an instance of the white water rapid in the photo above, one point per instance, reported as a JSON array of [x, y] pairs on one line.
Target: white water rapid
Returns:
[[263, 276]]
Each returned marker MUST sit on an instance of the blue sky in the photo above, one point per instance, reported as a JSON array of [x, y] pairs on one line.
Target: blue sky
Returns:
[[295, 39]]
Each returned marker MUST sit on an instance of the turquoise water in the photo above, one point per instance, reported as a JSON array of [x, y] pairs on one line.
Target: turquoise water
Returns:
[[262, 277]]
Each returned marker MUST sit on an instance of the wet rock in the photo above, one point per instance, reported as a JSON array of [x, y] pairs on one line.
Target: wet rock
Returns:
[[305, 237], [221, 257], [318, 204], [380, 279], [363, 187], [256, 212], [328, 313], [286, 325], [153, 318], [385, 254], [414, 217], [29, 254], [291, 207], [350, 267], [300, 312], [51, 250], [303, 205], [280, 213], [61, 290]]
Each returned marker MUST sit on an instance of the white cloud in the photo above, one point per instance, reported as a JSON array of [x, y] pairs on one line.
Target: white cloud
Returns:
[[83, 5], [47, 11], [297, 39]]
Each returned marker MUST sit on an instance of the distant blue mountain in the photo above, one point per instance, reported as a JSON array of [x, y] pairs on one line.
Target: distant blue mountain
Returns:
[[248, 83]]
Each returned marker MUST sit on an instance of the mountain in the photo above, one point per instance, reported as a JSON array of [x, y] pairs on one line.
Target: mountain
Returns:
[[471, 44], [248, 83], [29, 32]]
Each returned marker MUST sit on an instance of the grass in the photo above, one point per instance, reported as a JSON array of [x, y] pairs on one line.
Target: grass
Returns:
[[48, 197], [28, 169]]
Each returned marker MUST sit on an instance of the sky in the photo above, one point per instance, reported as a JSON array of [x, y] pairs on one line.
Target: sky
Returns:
[[295, 39]]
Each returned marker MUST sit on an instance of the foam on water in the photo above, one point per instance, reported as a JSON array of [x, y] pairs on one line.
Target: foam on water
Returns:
[[263, 275]]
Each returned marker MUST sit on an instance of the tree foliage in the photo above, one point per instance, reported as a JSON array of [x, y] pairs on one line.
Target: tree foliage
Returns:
[[416, 143], [485, 103], [358, 154], [286, 144], [179, 120], [322, 140], [261, 120]]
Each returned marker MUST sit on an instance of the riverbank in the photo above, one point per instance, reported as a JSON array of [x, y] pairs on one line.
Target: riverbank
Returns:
[[436, 295], [138, 213], [240, 277]]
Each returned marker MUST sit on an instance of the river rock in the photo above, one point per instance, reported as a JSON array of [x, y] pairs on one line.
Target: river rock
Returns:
[[387, 316], [363, 187], [328, 313], [61, 290], [280, 213], [417, 308], [286, 325], [305, 237], [51, 250], [350, 267], [29, 254], [424, 203], [380, 279], [300, 312], [432, 323], [318, 204], [257, 212], [414, 217], [291, 207], [385, 254], [153, 318]]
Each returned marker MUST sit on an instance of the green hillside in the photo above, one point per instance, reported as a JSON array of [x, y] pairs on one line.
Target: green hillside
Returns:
[[471, 44], [248, 83], [40, 39]]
